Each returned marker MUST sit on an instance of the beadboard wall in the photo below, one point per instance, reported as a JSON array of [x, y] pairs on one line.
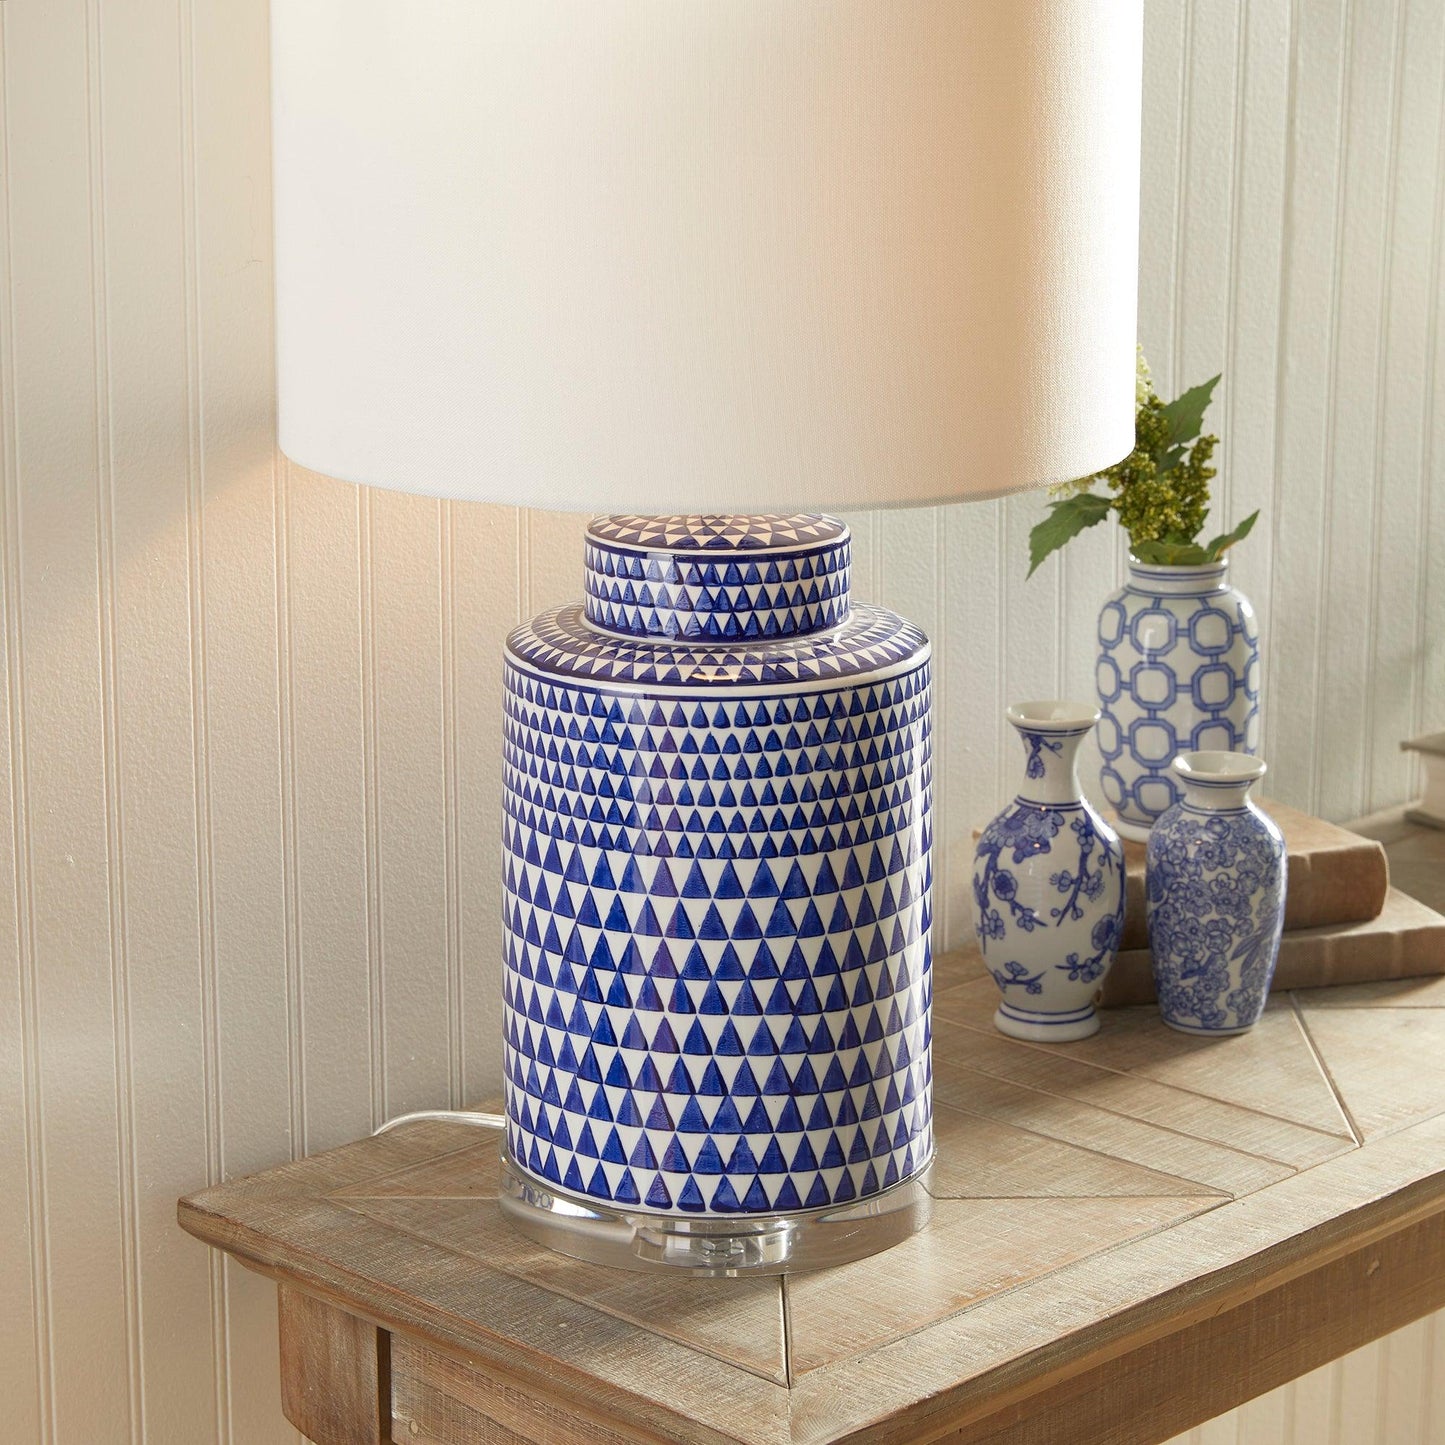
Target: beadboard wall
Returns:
[[249, 718]]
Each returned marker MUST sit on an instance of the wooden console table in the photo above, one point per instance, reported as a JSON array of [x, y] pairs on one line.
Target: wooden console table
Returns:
[[1132, 1234]]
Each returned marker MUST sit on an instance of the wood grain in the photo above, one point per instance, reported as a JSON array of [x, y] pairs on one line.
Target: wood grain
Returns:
[[1413, 993], [973, 1249], [1099, 1216], [1388, 1064], [1273, 1101], [439, 1400], [1241, 1353], [739, 1322], [981, 1158], [1009, 1346], [335, 1372]]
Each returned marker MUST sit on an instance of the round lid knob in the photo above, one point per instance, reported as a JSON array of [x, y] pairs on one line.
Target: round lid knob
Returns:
[[717, 578]]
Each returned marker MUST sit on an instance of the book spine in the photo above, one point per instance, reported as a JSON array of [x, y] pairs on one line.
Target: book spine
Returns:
[[1412, 947], [1326, 888]]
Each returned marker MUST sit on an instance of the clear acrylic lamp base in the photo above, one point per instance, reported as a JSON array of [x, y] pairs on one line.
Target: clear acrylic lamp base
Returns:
[[740, 1245]]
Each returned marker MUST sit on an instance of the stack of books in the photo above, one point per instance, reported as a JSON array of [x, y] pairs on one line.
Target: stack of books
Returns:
[[1343, 921]]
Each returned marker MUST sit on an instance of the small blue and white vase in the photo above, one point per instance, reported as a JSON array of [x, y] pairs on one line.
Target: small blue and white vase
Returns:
[[1215, 886], [1048, 885], [1178, 671], [716, 843]]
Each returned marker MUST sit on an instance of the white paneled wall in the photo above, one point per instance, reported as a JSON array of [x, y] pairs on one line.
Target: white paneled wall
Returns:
[[249, 718]]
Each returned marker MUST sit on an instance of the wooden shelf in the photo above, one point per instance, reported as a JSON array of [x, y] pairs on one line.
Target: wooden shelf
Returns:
[[1131, 1235]]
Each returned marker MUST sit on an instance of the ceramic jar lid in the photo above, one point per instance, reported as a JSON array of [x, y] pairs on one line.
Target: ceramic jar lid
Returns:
[[717, 579]]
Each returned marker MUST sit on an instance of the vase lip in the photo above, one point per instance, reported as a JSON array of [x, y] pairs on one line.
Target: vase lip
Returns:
[[1178, 569], [1053, 715], [1219, 769]]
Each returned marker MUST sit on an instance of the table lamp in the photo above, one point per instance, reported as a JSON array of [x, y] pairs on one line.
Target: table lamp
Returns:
[[703, 266]]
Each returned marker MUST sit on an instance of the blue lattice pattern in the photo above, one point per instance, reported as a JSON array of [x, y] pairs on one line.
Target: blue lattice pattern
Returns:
[[1176, 672], [717, 967], [642, 591]]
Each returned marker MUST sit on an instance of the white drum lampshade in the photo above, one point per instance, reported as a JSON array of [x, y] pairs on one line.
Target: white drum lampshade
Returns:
[[706, 255], [705, 265]]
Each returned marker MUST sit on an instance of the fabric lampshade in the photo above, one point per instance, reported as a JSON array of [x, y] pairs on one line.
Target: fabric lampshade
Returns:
[[706, 255]]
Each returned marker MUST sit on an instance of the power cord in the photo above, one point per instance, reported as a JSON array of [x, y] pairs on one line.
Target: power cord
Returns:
[[472, 1117]]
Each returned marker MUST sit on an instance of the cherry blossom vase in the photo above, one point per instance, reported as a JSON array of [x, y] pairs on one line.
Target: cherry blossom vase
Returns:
[[1215, 885], [1048, 885]]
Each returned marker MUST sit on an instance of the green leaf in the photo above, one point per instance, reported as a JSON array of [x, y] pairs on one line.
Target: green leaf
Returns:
[[1221, 544], [1186, 420], [1169, 553], [1065, 521], [1176, 550]]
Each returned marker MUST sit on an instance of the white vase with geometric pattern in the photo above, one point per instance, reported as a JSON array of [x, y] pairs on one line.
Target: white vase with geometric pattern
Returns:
[[1178, 671]]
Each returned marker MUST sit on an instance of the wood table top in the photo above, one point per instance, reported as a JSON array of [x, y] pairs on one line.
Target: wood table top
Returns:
[[1090, 1198]]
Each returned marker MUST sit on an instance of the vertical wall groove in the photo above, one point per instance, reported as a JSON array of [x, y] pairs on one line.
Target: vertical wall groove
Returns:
[[1181, 196], [1366, 785], [111, 741], [451, 824], [1224, 511], [1431, 469], [1326, 528], [290, 827], [37, 1232], [1282, 332], [209, 963], [372, 764]]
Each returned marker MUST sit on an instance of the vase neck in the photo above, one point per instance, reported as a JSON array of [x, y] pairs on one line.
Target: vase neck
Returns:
[[1216, 797], [1051, 776], [1158, 580]]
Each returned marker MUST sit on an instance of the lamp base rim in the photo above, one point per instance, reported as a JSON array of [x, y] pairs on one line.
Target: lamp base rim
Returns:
[[714, 1246]]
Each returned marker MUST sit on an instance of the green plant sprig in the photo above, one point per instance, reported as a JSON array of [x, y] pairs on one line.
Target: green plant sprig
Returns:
[[1160, 490]]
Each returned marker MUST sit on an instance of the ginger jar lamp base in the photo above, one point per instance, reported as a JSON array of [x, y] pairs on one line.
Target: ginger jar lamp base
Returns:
[[716, 839]]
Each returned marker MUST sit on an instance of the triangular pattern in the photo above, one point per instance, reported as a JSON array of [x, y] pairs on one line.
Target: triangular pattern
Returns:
[[717, 913], [720, 532], [644, 580], [562, 643]]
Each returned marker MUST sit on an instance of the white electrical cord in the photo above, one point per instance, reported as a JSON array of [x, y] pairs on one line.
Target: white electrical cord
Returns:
[[473, 1117]]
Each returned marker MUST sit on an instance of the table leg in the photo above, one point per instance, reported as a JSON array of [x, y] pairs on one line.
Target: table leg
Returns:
[[335, 1372]]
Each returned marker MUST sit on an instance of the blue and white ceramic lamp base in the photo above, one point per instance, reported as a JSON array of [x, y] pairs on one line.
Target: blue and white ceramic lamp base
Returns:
[[1048, 885], [717, 841]]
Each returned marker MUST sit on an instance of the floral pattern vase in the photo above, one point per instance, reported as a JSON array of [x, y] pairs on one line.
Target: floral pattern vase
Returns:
[[1215, 887], [1048, 885], [1178, 670]]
